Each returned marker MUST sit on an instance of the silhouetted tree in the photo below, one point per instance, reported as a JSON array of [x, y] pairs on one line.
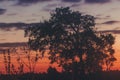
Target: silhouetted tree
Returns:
[[52, 74], [73, 42], [7, 61], [32, 57]]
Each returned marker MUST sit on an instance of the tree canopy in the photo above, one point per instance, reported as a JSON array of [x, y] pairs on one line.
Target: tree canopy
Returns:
[[73, 41]]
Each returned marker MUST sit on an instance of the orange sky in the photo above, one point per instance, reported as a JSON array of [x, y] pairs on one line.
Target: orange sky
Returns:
[[106, 13], [43, 64]]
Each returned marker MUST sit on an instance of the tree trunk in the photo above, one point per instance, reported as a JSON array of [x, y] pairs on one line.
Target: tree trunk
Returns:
[[82, 71]]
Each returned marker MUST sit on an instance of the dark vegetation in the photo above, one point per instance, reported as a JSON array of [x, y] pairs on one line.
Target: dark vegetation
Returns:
[[73, 42], [54, 75]]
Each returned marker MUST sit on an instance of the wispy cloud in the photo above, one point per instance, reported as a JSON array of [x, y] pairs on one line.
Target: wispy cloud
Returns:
[[2, 39], [97, 1], [15, 26], [9, 26], [111, 22], [6, 0], [2, 11], [102, 17], [111, 31], [71, 0], [75, 5], [29, 2], [15, 44], [12, 14], [50, 7], [31, 19]]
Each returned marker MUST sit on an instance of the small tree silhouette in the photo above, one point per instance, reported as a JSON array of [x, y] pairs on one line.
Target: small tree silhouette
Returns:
[[31, 58], [73, 42], [7, 61]]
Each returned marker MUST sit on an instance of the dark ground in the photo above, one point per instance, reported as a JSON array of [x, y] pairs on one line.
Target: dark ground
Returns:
[[111, 75]]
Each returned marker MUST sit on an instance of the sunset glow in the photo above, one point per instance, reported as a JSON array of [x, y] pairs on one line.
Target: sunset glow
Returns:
[[14, 13]]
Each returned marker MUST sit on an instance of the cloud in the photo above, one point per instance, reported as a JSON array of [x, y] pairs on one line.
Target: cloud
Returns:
[[111, 22], [71, 0], [75, 5], [15, 44], [10, 26], [97, 1], [28, 2], [2, 39], [15, 26], [50, 7], [11, 14], [2, 11], [111, 31], [100, 17], [31, 20], [6, 0]]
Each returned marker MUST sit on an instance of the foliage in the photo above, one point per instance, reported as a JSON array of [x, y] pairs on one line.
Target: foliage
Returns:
[[16, 60], [29, 60], [73, 42]]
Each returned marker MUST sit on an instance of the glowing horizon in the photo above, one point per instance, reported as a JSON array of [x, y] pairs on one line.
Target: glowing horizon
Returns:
[[106, 13]]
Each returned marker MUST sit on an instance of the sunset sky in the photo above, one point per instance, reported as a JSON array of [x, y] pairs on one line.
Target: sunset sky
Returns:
[[106, 13]]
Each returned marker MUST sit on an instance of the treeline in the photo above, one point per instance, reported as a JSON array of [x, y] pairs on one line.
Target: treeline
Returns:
[[54, 75]]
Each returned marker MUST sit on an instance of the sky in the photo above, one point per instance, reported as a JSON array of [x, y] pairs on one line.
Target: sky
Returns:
[[22, 12], [14, 12]]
